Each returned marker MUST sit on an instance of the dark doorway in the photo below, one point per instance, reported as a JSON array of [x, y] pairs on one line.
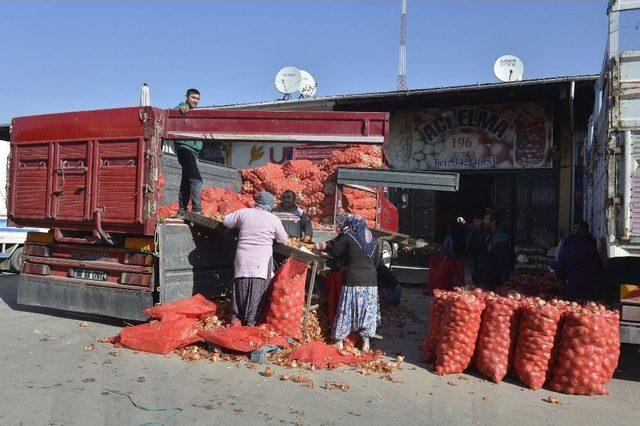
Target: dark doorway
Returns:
[[473, 198]]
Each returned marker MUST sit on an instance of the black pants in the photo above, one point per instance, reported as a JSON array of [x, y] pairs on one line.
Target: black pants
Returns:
[[191, 182], [474, 266]]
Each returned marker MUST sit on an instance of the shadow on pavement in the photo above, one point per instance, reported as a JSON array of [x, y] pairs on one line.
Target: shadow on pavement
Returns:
[[629, 363]]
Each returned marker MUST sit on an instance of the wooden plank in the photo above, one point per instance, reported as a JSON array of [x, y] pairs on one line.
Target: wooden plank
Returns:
[[298, 254], [206, 221], [308, 310]]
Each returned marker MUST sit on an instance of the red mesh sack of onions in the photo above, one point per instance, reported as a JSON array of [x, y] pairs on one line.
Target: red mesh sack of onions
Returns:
[[433, 333], [167, 211], [269, 171], [497, 337], [211, 194], [537, 336], [230, 206], [460, 324], [287, 299], [301, 169], [278, 186], [585, 355], [612, 353], [209, 208]]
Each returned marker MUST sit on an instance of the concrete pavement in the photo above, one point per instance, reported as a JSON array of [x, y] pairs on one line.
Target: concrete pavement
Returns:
[[48, 379]]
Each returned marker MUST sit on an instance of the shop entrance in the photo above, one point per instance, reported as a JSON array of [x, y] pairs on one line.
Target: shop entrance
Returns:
[[478, 192], [526, 203]]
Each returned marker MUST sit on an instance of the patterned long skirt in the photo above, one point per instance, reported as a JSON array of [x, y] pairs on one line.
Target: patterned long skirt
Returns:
[[358, 310], [250, 298]]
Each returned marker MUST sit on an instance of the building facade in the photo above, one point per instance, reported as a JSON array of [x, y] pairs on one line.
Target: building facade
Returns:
[[515, 146]]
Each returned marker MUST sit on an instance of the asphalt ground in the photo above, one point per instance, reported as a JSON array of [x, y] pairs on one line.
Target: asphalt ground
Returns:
[[48, 379]]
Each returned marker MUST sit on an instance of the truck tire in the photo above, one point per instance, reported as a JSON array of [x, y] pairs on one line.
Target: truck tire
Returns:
[[386, 253], [15, 261]]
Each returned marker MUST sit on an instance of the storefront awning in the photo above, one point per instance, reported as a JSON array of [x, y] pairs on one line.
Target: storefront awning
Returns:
[[433, 181]]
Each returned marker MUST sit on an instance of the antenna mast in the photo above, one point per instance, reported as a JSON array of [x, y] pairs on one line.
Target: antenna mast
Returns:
[[402, 59]]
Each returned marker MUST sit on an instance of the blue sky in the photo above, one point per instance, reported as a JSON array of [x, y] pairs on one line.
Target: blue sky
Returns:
[[63, 56]]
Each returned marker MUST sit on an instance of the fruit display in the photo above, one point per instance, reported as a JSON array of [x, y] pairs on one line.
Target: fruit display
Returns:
[[531, 260]]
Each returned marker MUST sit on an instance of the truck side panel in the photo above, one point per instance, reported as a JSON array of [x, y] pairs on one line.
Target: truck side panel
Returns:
[[194, 260], [118, 182], [30, 181], [612, 176], [86, 170], [212, 175], [635, 185]]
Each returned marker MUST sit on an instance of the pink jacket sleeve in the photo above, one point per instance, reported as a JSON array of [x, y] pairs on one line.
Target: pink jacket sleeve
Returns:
[[231, 220], [281, 234]]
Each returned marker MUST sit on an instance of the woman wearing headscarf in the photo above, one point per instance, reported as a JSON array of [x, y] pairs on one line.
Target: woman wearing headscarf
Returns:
[[358, 307], [254, 257]]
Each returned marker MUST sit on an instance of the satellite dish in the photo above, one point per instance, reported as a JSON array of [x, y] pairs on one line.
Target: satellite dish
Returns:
[[508, 68], [288, 80], [308, 85]]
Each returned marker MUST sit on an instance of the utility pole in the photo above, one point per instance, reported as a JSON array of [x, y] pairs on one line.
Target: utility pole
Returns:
[[402, 59]]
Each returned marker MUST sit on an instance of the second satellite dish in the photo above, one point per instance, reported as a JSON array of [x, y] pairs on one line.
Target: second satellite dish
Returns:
[[508, 68], [288, 80], [308, 85]]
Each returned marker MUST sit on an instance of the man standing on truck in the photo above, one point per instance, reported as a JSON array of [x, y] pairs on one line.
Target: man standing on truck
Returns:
[[187, 153], [294, 219]]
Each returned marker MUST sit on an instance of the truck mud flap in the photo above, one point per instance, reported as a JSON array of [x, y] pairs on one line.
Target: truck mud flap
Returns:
[[113, 302]]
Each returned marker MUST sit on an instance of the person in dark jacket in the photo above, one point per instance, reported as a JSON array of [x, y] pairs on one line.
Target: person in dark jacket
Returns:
[[294, 219], [474, 243], [496, 258], [388, 286], [579, 266], [187, 152], [358, 308]]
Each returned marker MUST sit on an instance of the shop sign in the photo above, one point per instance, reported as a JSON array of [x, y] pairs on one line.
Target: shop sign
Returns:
[[506, 136], [248, 155]]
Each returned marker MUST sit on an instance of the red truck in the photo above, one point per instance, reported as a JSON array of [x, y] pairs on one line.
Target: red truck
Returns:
[[92, 177]]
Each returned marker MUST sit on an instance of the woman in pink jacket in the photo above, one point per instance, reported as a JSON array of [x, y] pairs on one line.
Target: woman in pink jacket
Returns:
[[253, 265]]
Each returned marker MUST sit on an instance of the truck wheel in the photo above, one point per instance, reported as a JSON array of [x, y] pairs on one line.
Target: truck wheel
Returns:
[[386, 253], [15, 260]]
